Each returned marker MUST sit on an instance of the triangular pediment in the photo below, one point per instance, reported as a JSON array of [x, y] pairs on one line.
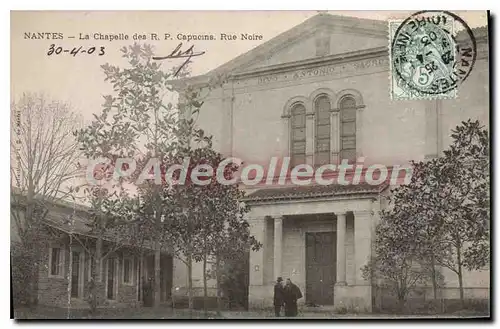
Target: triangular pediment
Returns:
[[320, 36]]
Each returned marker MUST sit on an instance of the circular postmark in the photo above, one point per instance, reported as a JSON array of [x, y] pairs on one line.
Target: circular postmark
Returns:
[[427, 55]]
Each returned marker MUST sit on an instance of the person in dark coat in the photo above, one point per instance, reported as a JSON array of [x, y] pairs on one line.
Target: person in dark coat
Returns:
[[292, 294], [279, 296]]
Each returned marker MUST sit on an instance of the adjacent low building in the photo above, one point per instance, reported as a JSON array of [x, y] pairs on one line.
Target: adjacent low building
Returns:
[[64, 269]]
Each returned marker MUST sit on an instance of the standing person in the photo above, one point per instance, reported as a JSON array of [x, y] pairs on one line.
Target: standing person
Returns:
[[292, 293], [279, 296]]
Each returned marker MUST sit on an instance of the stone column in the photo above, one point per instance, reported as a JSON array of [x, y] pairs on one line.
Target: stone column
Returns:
[[341, 256], [278, 246], [310, 138], [335, 136]]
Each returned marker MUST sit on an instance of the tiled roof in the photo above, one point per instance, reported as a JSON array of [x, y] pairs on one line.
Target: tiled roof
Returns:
[[72, 218], [313, 191], [76, 224], [70, 223]]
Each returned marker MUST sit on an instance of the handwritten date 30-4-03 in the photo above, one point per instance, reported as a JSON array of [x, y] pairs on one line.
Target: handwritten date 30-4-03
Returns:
[[56, 50]]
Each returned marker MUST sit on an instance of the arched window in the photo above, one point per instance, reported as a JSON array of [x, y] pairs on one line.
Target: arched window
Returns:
[[298, 132], [322, 140], [347, 107]]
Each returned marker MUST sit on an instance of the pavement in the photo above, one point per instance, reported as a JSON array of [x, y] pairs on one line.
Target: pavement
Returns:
[[168, 313]]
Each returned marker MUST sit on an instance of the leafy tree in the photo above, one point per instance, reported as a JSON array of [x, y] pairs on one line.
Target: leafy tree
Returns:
[[139, 121], [135, 122], [441, 218], [44, 163], [397, 261], [223, 230], [461, 200]]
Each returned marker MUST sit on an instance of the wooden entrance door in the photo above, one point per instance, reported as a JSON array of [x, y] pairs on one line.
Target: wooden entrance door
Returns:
[[320, 267]]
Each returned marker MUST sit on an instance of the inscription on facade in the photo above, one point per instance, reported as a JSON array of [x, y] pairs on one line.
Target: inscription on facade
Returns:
[[322, 71]]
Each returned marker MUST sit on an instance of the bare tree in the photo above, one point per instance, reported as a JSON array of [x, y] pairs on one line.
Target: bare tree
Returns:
[[44, 161]]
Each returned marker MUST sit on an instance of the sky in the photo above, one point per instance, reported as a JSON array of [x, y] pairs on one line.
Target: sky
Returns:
[[79, 80]]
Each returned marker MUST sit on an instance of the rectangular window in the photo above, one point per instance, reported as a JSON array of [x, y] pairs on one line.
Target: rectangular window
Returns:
[[348, 142], [299, 120], [127, 270], [322, 158], [348, 135], [299, 148], [349, 128], [56, 261], [323, 117], [349, 155], [323, 145], [323, 131], [75, 275], [299, 134], [348, 114]]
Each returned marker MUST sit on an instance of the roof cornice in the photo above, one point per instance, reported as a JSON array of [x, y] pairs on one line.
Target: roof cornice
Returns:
[[338, 23], [314, 62]]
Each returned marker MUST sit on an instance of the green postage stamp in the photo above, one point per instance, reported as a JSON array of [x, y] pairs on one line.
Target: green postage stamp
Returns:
[[431, 53]]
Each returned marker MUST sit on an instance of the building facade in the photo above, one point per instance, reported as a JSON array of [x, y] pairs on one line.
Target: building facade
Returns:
[[319, 93], [64, 268]]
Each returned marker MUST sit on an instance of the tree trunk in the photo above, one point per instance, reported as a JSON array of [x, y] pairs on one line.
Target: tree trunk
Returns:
[[218, 279], [95, 276], [402, 303], [401, 292], [460, 277], [190, 281], [70, 274], [157, 293], [434, 278], [141, 277], [205, 287], [32, 255]]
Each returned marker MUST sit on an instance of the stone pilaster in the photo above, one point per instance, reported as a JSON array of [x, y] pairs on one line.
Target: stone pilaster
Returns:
[[341, 255], [310, 138], [258, 230], [259, 294], [278, 247], [362, 242]]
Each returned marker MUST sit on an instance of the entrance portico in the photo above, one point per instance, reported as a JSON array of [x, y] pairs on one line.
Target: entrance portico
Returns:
[[319, 241]]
